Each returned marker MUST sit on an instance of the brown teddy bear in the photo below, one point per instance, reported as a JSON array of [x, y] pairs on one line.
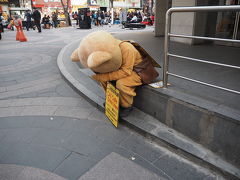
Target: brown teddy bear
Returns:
[[111, 60]]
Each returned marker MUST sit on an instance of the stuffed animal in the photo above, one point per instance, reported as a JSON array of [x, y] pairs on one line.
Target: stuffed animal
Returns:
[[111, 60]]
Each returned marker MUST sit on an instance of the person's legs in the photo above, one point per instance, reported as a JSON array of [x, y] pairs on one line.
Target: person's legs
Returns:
[[127, 86], [55, 24], [28, 25], [38, 26]]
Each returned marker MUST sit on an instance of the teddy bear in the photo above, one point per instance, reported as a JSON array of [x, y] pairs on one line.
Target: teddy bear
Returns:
[[112, 60]]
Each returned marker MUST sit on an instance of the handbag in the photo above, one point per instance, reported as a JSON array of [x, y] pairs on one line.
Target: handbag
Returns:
[[145, 69]]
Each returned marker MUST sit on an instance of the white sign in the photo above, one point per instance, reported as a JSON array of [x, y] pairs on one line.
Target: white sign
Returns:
[[79, 2]]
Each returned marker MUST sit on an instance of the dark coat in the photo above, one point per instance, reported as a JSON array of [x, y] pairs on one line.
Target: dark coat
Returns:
[[36, 15], [28, 16]]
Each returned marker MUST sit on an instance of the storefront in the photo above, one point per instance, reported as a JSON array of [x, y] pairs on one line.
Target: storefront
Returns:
[[49, 6], [78, 4], [4, 6], [227, 23]]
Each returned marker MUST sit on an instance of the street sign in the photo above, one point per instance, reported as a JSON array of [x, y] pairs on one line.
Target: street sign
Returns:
[[112, 104]]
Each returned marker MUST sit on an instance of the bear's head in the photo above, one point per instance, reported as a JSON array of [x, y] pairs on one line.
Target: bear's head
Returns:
[[100, 52]]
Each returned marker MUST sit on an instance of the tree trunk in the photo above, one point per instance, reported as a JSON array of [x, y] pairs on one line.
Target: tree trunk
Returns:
[[65, 9]]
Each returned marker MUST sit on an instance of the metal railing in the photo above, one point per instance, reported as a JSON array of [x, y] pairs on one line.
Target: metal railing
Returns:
[[167, 40]]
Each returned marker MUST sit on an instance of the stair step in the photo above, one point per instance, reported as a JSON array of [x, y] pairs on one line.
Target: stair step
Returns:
[[142, 121]]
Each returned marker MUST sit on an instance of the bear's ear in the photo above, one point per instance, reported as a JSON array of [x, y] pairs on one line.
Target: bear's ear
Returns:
[[74, 56], [97, 58]]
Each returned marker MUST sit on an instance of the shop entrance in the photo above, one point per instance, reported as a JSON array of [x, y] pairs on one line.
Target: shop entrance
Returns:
[[228, 25]]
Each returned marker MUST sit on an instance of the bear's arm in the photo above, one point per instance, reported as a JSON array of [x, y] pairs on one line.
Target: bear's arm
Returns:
[[128, 60]]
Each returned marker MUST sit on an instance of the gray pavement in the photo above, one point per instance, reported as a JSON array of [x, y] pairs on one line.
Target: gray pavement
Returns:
[[48, 131]]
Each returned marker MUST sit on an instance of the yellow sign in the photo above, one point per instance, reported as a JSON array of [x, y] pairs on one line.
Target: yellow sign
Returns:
[[112, 104]]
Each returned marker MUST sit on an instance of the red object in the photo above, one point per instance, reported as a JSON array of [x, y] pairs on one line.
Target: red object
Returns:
[[148, 23], [152, 18], [20, 35], [38, 5]]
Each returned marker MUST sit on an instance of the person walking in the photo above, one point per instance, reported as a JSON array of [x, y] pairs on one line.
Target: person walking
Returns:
[[18, 24], [37, 18], [102, 18], [55, 19], [1, 25], [28, 19]]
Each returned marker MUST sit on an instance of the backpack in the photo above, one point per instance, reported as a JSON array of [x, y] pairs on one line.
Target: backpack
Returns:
[[145, 69]]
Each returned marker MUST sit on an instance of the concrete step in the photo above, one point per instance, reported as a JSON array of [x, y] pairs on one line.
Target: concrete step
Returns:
[[168, 120]]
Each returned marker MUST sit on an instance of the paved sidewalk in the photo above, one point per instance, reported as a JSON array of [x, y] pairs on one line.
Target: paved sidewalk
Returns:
[[46, 128]]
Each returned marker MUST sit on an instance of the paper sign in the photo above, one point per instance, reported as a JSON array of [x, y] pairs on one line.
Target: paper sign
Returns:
[[157, 84], [112, 104]]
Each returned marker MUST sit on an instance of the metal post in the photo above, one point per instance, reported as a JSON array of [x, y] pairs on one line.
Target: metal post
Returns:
[[166, 47]]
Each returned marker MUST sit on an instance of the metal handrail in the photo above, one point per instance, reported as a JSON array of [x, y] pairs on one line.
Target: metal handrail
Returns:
[[167, 40]]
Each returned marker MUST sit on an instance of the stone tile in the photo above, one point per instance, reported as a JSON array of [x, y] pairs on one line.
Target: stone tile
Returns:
[[76, 112], [27, 95], [21, 102], [2, 134], [34, 155], [186, 119], [141, 119], [30, 173], [16, 122], [4, 148], [150, 97], [47, 90], [5, 103], [82, 125], [19, 135], [225, 139], [10, 172], [143, 147], [47, 122], [3, 89], [123, 169], [88, 145], [98, 116], [63, 101], [39, 110], [51, 137], [74, 166], [8, 83], [11, 111], [66, 91], [179, 168], [48, 94], [84, 103], [151, 167], [111, 134]]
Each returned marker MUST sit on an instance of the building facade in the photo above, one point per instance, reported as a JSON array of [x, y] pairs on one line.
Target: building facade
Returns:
[[210, 24]]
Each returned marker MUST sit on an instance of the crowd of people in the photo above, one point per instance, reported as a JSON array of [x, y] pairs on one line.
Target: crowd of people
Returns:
[[100, 18], [34, 20]]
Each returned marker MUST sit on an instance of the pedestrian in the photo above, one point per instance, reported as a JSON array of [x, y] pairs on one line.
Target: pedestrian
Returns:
[[75, 17], [28, 17], [18, 24], [45, 21], [89, 19], [37, 18], [69, 20], [55, 19], [102, 18], [1, 25]]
